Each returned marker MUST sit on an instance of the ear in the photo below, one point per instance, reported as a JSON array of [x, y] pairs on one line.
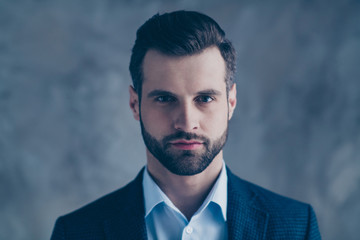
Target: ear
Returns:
[[134, 103], [232, 100]]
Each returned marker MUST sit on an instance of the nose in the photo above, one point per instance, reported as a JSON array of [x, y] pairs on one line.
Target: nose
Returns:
[[186, 118]]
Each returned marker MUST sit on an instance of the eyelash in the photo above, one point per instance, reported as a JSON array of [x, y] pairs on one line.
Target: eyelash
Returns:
[[170, 99], [199, 98]]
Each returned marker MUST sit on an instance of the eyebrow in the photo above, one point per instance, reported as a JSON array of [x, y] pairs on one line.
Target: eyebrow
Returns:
[[212, 92], [158, 92]]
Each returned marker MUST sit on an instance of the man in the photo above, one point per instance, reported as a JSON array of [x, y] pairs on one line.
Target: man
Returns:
[[184, 94]]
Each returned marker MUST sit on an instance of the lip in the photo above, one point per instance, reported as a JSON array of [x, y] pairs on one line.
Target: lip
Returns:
[[186, 145]]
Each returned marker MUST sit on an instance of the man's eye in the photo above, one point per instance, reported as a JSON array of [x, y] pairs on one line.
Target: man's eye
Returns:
[[165, 99], [204, 99]]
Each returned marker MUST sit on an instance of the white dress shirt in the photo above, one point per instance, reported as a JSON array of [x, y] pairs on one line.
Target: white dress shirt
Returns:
[[165, 221]]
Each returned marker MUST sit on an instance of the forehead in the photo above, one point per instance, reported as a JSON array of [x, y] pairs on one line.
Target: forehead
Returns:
[[193, 73]]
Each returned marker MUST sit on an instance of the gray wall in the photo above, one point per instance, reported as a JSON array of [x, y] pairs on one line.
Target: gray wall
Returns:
[[67, 135]]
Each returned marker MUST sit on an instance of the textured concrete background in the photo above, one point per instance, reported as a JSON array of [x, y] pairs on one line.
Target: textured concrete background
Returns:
[[67, 135]]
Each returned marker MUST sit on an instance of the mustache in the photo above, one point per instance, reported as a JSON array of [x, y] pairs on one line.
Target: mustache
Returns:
[[185, 135]]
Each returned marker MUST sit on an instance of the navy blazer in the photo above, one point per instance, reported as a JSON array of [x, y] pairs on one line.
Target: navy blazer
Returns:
[[253, 213]]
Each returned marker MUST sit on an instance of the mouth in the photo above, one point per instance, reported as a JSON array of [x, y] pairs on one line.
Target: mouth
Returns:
[[186, 144]]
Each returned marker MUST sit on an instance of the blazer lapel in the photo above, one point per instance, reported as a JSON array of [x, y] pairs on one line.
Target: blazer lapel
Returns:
[[127, 221], [245, 221]]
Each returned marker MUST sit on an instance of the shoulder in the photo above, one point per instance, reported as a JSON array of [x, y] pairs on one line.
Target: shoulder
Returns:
[[116, 200], [285, 216], [93, 215], [263, 198]]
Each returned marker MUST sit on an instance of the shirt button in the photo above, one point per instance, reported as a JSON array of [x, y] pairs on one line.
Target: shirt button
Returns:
[[189, 230]]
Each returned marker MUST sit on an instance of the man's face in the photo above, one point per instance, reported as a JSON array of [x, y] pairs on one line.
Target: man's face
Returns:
[[184, 110]]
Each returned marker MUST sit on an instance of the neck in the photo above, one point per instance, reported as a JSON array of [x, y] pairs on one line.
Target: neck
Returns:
[[186, 192]]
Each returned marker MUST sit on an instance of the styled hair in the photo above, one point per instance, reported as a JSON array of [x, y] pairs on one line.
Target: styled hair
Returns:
[[180, 33]]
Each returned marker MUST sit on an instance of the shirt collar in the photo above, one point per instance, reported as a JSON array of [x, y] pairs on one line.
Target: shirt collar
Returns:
[[218, 193], [154, 195]]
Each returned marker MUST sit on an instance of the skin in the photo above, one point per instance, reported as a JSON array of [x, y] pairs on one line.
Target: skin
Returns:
[[186, 94]]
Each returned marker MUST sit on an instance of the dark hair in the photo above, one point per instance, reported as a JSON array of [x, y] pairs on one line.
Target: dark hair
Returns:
[[180, 33]]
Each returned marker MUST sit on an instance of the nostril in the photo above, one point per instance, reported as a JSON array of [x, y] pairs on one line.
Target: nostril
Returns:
[[186, 125]]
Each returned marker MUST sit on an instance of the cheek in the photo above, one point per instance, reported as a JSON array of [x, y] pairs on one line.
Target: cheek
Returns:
[[215, 122], [154, 121]]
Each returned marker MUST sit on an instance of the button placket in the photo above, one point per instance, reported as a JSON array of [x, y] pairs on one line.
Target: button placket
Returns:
[[189, 230]]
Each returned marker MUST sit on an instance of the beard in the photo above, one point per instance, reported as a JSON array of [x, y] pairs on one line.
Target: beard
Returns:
[[184, 162]]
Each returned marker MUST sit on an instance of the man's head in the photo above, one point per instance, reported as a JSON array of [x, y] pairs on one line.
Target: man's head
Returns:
[[187, 90], [180, 33]]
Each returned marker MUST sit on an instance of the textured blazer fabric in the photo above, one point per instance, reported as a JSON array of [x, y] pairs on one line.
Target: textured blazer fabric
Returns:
[[253, 213]]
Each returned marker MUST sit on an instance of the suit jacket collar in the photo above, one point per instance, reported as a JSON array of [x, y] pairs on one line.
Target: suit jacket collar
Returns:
[[127, 220], [245, 219]]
